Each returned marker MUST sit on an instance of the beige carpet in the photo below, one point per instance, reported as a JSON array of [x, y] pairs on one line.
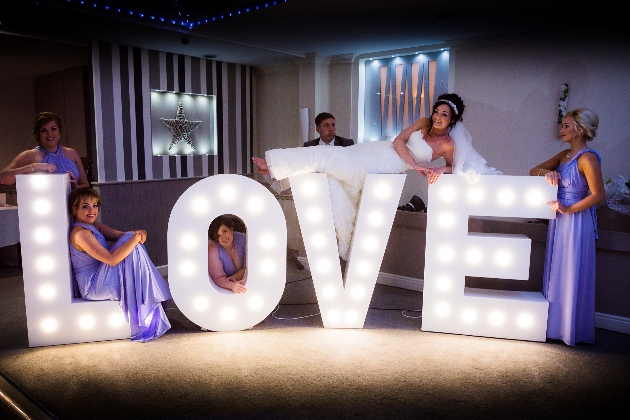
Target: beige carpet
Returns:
[[297, 369]]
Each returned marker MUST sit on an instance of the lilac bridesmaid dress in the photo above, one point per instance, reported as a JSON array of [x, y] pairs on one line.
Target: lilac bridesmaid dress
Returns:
[[569, 278], [240, 243], [62, 163], [134, 282]]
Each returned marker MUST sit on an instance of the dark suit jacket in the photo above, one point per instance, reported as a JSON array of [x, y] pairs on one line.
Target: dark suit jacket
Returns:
[[339, 141]]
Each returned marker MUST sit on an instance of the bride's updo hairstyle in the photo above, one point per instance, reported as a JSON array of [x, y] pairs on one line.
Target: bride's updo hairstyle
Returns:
[[456, 105], [585, 121]]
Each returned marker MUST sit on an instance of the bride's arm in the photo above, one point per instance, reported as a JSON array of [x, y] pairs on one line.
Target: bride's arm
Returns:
[[400, 143]]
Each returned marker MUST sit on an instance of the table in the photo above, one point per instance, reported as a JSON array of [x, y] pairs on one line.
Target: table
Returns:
[[9, 226]]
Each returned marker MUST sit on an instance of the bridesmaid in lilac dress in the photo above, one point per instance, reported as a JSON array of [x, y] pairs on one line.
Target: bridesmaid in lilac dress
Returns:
[[226, 255], [123, 272], [49, 156], [569, 277]]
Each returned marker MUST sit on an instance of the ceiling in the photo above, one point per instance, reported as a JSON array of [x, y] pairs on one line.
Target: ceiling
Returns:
[[280, 32]]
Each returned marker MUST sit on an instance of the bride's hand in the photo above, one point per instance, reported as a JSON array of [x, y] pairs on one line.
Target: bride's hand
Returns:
[[423, 170]]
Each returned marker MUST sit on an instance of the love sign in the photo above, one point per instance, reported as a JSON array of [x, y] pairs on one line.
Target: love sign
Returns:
[[56, 317]]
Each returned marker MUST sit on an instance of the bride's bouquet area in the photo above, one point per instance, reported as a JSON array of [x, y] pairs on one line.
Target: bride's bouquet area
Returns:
[[617, 192]]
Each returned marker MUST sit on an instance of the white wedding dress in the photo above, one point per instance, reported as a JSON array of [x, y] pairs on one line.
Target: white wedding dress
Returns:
[[346, 168]]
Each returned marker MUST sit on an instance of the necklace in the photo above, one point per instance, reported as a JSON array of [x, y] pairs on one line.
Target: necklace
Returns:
[[230, 250], [569, 152], [438, 139]]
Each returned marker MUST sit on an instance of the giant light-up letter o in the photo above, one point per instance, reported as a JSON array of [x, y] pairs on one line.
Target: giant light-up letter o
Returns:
[[196, 295], [452, 253]]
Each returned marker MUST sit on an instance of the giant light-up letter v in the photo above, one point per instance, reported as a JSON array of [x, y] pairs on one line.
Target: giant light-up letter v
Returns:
[[345, 307], [53, 314], [452, 253]]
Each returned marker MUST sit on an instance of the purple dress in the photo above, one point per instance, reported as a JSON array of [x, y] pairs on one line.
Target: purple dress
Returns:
[[240, 242], [134, 282], [62, 163], [569, 278]]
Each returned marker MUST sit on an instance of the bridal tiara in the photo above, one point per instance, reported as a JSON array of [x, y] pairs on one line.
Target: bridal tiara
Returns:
[[450, 103]]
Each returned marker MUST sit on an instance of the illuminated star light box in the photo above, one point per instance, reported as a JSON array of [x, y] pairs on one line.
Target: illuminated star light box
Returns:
[[452, 253], [53, 314], [183, 123]]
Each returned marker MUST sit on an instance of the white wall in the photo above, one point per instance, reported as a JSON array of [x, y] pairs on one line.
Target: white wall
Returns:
[[511, 92], [277, 110]]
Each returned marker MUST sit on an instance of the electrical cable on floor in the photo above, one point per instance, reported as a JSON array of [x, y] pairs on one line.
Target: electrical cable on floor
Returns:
[[273, 314]]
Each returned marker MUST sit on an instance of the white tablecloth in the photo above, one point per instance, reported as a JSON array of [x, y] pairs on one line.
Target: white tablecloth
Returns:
[[9, 226]]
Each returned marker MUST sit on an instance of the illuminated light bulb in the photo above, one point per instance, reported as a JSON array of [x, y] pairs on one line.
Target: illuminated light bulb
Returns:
[[503, 258], [472, 178], [375, 218], [474, 256], [47, 291], [49, 325], [469, 316], [446, 254], [187, 268], [228, 314], [314, 215], [200, 205], [201, 303], [443, 309], [87, 322], [444, 284], [267, 241], [496, 318], [39, 182], [255, 204], [45, 264], [42, 235], [228, 193], [358, 292], [446, 220], [505, 197], [116, 320], [318, 241], [534, 198], [330, 292], [309, 189], [525, 320], [370, 243], [334, 316], [350, 317], [364, 267], [475, 195], [42, 207], [323, 266], [189, 241], [255, 302], [382, 190], [448, 194], [267, 267]]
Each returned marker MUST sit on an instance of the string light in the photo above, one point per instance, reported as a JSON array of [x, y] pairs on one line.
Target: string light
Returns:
[[233, 12]]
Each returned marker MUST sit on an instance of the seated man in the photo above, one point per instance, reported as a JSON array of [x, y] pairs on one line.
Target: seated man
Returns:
[[326, 127]]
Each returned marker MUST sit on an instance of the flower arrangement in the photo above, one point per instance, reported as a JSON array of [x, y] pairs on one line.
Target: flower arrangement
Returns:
[[562, 104], [617, 193]]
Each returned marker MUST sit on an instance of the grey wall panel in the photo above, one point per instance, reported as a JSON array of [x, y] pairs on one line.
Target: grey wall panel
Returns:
[[125, 76]]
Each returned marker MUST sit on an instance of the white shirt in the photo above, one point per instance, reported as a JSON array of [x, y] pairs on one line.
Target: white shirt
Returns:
[[323, 143]]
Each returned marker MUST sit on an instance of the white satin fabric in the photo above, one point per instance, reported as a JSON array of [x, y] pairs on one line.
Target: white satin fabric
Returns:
[[346, 168]]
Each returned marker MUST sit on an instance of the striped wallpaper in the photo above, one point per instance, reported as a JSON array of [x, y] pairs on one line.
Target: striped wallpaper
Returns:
[[123, 78]]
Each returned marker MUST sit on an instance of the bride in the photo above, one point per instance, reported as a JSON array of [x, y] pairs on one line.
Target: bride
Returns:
[[427, 139]]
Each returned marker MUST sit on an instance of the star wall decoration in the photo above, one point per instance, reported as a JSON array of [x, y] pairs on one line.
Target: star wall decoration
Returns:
[[181, 127]]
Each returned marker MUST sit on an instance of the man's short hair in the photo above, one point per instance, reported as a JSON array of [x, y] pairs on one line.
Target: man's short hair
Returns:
[[323, 116]]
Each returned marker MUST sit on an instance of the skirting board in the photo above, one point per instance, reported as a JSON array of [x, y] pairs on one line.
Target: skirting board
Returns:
[[614, 323]]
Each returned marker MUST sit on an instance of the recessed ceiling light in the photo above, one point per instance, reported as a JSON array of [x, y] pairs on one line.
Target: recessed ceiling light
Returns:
[[209, 56]]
